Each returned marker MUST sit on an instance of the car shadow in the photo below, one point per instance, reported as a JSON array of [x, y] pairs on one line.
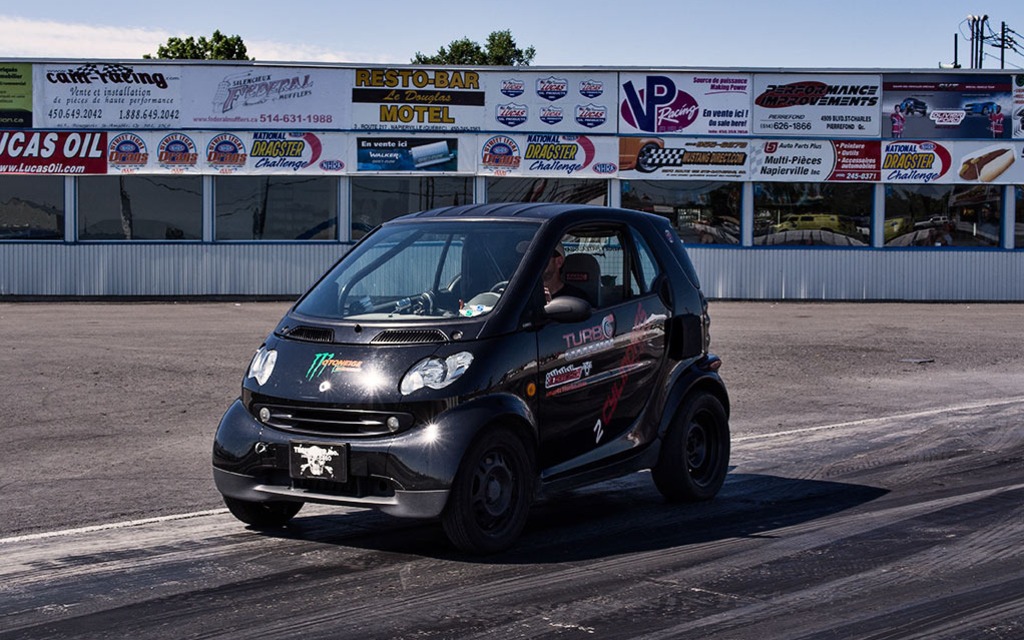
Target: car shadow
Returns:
[[621, 516]]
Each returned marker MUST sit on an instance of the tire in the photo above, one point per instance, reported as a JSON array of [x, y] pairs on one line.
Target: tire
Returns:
[[695, 453], [644, 162], [491, 494], [263, 515]]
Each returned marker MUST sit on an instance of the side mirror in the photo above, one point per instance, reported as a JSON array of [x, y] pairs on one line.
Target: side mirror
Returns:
[[567, 309]]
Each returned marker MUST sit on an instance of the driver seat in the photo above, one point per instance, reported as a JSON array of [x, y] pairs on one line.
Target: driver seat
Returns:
[[583, 270]]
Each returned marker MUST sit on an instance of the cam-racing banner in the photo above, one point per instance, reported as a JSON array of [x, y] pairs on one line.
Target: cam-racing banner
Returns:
[[15, 94], [551, 102], [226, 153], [107, 96], [548, 154], [417, 99], [413, 154], [817, 105], [53, 152], [815, 160], [265, 98], [654, 158], [684, 104], [947, 106]]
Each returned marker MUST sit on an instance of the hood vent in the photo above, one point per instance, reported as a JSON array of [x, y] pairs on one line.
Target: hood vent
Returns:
[[409, 336], [311, 334]]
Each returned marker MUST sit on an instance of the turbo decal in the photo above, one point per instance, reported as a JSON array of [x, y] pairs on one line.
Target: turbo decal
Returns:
[[590, 340], [323, 361]]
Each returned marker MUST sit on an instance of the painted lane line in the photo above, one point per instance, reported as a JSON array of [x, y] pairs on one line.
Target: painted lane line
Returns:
[[899, 416], [111, 526]]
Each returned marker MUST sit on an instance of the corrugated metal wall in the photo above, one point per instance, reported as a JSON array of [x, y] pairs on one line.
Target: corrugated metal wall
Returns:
[[287, 269]]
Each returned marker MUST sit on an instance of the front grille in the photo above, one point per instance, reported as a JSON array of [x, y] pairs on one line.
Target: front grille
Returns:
[[409, 336], [330, 421], [311, 334]]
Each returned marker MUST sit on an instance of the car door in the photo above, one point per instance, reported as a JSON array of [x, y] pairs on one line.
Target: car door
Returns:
[[597, 375]]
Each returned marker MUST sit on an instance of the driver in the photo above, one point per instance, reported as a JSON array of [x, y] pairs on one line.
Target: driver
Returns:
[[553, 285]]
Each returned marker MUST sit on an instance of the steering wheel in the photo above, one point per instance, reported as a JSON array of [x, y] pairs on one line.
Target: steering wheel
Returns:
[[499, 287], [423, 304]]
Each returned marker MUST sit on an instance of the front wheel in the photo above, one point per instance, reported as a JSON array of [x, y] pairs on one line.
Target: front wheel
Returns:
[[491, 495], [263, 515], [695, 454]]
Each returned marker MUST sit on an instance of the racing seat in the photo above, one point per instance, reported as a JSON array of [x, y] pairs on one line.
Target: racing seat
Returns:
[[582, 270]]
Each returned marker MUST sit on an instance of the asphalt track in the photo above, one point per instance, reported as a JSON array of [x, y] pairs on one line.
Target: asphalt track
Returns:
[[877, 491]]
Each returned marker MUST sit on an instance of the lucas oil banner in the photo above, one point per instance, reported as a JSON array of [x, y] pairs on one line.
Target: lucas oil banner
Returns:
[[548, 154], [684, 104], [551, 102], [817, 105]]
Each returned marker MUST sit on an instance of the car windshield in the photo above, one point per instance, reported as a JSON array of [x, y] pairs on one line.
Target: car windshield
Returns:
[[415, 271]]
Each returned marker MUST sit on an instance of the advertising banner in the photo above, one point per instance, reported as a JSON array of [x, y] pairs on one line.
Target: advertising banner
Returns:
[[817, 105], [947, 106], [53, 152], [545, 102], [1018, 106], [410, 154], [107, 96], [417, 99], [15, 94], [988, 163], [265, 98], [816, 160], [916, 161], [548, 154], [225, 153], [654, 158], [684, 104]]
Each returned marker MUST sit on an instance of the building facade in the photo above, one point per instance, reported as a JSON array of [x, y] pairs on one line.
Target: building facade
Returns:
[[174, 179]]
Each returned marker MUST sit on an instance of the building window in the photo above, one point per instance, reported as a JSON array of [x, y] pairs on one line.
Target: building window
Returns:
[[1018, 227], [812, 213], [932, 215], [31, 207], [275, 208], [381, 198], [702, 212], [140, 207], [569, 190]]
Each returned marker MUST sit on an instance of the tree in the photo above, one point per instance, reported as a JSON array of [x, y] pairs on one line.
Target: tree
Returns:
[[218, 47], [500, 50]]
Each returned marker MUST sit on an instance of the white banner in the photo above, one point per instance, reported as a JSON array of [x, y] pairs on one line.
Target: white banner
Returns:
[[106, 96], [417, 99], [655, 158], [223, 97], [548, 154], [551, 102], [684, 104], [835, 106]]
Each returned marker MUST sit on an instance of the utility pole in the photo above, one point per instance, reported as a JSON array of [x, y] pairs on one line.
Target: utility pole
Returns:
[[978, 24]]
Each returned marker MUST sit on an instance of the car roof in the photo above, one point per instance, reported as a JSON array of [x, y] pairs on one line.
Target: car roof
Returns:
[[524, 210]]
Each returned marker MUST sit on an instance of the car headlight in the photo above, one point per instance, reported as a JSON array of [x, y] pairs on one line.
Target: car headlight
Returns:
[[263, 365], [436, 373]]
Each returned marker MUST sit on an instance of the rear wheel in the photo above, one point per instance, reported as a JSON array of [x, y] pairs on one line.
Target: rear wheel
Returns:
[[491, 495], [695, 454], [262, 515]]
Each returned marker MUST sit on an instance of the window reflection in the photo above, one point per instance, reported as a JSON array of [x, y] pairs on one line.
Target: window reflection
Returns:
[[812, 213], [702, 212], [276, 208], [569, 190], [31, 207], [931, 215], [381, 198], [140, 207], [1018, 229]]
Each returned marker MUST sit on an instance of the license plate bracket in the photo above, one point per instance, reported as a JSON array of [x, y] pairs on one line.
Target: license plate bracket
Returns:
[[318, 461]]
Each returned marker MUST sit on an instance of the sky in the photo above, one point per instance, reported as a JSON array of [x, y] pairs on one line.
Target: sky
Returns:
[[803, 34]]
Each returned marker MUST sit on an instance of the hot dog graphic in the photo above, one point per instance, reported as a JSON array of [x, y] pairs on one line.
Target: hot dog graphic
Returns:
[[987, 164]]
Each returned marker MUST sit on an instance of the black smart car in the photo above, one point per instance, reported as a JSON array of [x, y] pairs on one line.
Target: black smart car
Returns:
[[462, 362]]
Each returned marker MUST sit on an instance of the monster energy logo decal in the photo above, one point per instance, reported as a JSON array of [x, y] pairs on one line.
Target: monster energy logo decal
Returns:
[[324, 361]]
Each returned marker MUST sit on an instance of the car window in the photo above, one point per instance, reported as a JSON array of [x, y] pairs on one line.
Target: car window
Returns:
[[620, 274], [646, 266]]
